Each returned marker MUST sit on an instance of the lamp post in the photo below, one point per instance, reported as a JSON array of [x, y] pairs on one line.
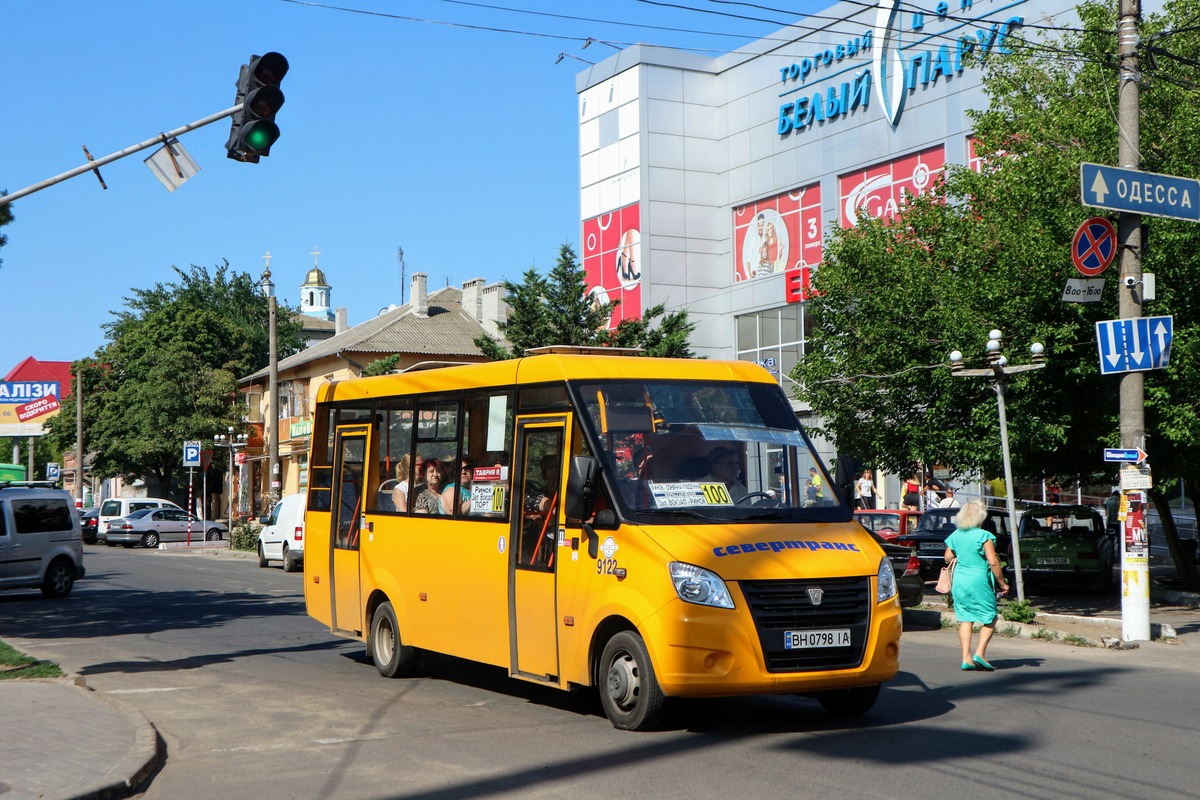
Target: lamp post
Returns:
[[234, 443], [997, 372], [272, 421]]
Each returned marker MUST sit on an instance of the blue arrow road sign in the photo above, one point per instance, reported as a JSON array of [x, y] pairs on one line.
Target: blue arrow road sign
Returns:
[[1134, 345], [1133, 456], [1139, 192]]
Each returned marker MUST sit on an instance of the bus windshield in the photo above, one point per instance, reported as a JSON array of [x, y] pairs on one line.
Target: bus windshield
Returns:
[[707, 451]]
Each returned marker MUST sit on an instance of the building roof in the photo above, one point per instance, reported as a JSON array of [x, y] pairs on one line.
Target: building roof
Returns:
[[315, 277], [447, 330], [33, 370]]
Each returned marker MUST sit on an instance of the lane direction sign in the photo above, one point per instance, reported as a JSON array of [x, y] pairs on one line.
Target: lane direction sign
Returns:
[[1135, 455], [1134, 345], [1094, 246], [1139, 192]]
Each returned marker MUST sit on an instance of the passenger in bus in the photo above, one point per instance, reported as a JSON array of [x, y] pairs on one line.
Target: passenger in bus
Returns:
[[540, 498], [724, 463], [429, 500], [459, 492], [403, 482]]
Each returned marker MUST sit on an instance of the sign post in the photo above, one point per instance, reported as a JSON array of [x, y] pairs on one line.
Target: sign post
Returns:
[[191, 460]]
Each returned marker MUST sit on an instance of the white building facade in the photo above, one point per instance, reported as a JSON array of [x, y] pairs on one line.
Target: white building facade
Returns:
[[710, 184]]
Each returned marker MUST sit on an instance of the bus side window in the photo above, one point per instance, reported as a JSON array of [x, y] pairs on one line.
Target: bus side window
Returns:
[[319, 490]]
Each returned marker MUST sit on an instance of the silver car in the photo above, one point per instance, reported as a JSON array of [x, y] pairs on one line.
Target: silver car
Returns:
[[149, 526]]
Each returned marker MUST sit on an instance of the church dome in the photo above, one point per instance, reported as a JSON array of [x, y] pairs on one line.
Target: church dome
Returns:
[[315, 277]]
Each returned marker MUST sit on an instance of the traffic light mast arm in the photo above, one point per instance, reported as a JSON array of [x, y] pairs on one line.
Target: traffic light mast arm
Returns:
[[128, 151]]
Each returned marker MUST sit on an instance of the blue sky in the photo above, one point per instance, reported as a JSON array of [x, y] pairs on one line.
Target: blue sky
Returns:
[[454, 142]]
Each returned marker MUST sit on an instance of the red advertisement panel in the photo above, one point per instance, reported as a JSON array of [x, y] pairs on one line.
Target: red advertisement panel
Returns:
[[777, 234], [612, 261], [879, 190]]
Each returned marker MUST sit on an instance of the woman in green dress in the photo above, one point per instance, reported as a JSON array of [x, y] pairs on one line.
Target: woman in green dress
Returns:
[[977, 579]]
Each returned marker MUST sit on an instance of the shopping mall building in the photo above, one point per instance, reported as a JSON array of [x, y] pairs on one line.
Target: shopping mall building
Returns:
[[710, 184]]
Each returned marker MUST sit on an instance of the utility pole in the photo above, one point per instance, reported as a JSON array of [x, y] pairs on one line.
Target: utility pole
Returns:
[[79, 435], [1135, 572], [271, 426]]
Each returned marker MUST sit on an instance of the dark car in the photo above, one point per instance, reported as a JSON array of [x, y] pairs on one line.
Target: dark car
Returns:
[[936, 524], [1067, 544], [909, 583], [89, 523]]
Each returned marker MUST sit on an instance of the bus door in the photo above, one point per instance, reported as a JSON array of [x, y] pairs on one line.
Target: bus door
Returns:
[[346, 521], [537, 525]]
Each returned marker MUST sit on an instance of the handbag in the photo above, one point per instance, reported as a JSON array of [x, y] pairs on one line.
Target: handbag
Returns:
[[946, 579]]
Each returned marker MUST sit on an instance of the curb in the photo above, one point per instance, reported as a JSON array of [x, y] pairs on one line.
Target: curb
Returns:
[[932, 618], [146, 757]]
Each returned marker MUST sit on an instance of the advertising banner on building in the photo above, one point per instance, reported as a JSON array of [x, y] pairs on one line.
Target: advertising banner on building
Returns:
[[777, 234], [612, 261], [26, 406], [879, 190]]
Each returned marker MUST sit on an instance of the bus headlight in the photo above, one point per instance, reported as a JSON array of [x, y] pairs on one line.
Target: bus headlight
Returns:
[[697, 585], [886, 585]]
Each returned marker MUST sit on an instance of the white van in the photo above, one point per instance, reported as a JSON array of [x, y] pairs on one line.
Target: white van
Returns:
[[282, 536], [117, 507], [41, 545]]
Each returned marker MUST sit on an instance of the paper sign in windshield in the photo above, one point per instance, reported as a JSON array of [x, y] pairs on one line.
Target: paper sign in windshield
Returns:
[[689, 493]]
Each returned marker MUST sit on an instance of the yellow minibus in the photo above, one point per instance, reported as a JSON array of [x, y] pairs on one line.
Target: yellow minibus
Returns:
[[651, 527]]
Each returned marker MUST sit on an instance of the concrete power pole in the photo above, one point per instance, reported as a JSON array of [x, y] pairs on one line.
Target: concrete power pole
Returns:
[[1135, 593]]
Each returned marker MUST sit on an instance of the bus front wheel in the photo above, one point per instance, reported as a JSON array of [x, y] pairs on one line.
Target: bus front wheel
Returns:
[[629, 692], [392, 658]]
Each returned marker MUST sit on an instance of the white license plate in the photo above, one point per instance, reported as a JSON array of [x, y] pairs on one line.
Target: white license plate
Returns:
[[1053, 562], [802, 640]]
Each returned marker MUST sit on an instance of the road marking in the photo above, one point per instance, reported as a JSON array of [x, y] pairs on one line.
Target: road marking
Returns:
[[145, 691]]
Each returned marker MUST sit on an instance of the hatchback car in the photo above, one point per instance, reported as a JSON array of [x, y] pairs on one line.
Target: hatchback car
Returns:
[[150, 526], [889, 523], [936, 524], [1062, 544], [89, 522]]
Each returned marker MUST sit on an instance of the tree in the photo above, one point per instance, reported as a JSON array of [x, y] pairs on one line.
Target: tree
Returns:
[[991, 250], [169, 371], [556, 309], [381, 366]]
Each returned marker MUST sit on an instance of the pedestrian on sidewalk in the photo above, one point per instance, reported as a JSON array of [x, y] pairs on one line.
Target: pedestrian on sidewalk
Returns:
[[864, 490], [977, 580]]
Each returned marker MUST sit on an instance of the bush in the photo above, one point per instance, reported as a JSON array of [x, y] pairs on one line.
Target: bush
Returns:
[[244, 537], [1018, 611]]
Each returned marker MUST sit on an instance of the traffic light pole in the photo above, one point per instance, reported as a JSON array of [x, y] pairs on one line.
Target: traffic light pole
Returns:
[[162, 138]]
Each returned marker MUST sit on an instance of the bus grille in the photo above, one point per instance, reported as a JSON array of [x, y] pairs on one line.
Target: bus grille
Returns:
[[779, 606]]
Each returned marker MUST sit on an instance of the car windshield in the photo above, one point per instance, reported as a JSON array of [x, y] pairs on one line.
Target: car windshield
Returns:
[[700, 452], [1061, 521]]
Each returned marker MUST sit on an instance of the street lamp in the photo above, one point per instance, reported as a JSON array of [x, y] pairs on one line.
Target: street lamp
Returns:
[[997, 372], [234, 443]]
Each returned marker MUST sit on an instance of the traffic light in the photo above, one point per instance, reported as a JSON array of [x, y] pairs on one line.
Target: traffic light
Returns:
[[254, 130]]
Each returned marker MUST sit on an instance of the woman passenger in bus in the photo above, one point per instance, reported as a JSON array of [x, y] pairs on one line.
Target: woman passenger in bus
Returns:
[[429, 501], [458, 492], [403, 482]]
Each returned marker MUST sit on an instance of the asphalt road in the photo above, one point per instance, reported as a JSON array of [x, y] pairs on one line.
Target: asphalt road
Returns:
[[255, 700]]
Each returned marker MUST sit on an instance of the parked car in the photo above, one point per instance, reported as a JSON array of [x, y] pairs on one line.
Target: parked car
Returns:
[[41, 545], [282, 535], [1067, 544], [117, 507], [889, 523], [936, 524], [149, 526], [89, 522], [907, 567]]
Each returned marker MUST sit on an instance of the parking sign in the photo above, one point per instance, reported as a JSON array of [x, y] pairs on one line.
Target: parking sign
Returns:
[[191, 454]]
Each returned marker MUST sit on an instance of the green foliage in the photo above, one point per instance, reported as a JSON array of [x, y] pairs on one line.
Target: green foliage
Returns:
[[992, 250], [1078, 641], [1045, 633], [556, 309], [1018, 611], [381, 366], [169, 370], [15, 664], [244, 537]]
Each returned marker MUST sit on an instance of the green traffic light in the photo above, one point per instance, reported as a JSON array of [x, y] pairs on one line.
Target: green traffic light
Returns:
[[257, 137]]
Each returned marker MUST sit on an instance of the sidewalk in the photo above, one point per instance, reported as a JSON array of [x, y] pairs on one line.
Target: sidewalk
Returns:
[[61, 741]]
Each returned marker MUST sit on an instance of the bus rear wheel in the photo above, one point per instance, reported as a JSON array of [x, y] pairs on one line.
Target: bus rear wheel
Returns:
[[629, 691], [392, 658]]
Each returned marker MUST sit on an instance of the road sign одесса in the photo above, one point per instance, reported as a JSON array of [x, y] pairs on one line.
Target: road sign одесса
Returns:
[[1139, 192], [1134, 345]]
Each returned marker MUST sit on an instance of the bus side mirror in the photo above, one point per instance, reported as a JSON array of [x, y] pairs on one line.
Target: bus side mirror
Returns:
[[843, 478], [582, 482]]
